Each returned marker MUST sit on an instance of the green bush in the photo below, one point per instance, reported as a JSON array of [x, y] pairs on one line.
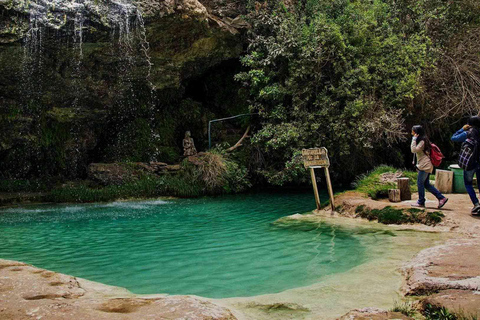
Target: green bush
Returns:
[[416, 215], [218, 173]]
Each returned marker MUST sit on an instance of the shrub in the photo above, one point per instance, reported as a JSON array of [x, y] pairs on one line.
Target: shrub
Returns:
[[416, 215], [390, 215], [217, 173]]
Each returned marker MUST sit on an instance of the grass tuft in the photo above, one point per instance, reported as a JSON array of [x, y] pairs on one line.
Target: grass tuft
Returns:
[[391, 215], [434, 217], [405, 308], [370, 184]]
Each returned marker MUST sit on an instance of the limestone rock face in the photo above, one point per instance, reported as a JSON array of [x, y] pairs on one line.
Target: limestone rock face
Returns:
[[372, 314], [453, 266], [27, 292], [221, 8], [162, 8], [110, 173], [86, 81], [120, 173]]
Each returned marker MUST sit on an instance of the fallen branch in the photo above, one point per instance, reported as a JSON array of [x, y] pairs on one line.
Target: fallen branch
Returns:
[[239, 143]]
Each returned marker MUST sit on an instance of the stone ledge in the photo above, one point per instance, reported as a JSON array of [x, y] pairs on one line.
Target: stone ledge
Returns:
[[28, 292]]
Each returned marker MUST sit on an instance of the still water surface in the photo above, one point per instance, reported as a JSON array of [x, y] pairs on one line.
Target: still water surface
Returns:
[[213, 247]]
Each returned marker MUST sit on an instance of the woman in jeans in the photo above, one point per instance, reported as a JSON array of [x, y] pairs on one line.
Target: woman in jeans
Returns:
[[421, 148], [471, 131]]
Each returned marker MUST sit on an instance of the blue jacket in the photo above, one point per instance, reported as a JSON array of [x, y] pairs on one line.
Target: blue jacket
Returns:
[[460, 136]]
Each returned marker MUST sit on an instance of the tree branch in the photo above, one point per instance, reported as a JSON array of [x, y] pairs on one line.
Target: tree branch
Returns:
[[239, 143]]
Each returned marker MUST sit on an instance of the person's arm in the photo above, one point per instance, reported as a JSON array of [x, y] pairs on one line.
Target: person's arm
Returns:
[[414, 147], [459, 136]]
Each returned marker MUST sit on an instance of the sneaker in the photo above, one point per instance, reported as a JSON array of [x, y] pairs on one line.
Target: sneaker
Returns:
[[442, 202], [476, 208], [418, 205]]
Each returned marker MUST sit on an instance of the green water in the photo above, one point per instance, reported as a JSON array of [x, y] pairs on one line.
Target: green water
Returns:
[[212, 247]]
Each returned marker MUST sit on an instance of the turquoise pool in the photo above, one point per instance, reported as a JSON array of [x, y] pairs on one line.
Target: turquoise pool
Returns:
[[213, 247]]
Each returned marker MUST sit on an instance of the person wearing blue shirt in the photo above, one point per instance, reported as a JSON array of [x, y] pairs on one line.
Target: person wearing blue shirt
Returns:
[[461, 135], [470, 131]]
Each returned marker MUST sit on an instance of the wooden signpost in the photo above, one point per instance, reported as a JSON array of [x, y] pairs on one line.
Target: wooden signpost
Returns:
[[318, 158]]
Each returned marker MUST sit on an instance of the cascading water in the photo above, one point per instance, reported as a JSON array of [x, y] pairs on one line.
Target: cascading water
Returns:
[[74, 16], [64, 27]]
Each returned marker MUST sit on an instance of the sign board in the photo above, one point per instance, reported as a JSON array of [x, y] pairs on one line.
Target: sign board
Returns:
[[316, 157]]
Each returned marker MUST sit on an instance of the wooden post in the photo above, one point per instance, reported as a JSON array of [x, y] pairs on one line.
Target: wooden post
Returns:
[[444, 181], [404, 185], [394, 195], [330, 189], [315, 188]]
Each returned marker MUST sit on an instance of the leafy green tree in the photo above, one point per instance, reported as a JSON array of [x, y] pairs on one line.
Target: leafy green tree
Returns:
[[338, 74]]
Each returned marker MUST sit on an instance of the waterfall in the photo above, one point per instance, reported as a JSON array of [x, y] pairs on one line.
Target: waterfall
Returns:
[[58, 31], [121, 17]]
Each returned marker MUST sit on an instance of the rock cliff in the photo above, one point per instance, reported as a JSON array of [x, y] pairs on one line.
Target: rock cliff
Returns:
[[103, 80]]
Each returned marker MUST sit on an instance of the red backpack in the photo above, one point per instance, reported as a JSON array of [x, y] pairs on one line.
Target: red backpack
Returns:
[[436, 156]]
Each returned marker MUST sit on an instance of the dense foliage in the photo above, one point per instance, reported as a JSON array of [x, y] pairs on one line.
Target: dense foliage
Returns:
[[345, 75], [350, 75]]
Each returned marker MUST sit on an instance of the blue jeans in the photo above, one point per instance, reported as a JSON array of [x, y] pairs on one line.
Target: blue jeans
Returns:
[[468, 180], [423, 182]]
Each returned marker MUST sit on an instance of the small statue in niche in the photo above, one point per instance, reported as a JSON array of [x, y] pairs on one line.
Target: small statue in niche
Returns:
[[188, 145]]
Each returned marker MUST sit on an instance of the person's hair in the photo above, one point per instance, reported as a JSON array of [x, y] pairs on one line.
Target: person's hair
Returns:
[[473, 132], [422, 137], [474, 121]]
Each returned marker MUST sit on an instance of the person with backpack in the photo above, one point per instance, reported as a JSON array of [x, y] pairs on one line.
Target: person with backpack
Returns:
[[469, 135], [421, 147]]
